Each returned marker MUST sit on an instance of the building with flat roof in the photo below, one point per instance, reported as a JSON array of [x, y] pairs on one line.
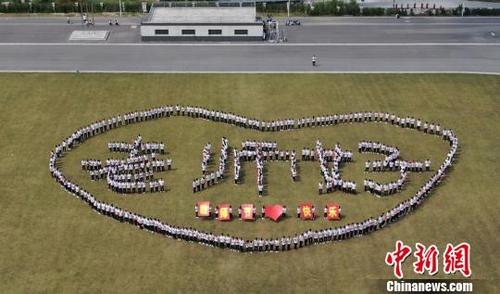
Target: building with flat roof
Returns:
[[215, 23]]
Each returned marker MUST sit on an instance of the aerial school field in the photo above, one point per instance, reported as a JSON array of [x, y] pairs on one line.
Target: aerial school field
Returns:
[[54, 242]]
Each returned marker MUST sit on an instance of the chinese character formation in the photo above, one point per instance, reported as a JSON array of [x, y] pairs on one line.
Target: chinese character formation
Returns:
[[134, 174]]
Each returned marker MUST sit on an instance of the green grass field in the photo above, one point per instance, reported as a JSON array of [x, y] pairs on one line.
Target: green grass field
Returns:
[[52, 242]]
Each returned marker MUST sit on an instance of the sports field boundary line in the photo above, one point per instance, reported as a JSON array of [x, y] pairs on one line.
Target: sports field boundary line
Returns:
[[404, 23], [246, 72]]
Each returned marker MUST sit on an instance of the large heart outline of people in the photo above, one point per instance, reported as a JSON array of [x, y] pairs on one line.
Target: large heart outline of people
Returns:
[[332, 179]]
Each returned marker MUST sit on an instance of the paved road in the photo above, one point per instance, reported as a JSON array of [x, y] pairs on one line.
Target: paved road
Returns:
[[341, 44], [250, 58], [313, 30], [56, 30], [411, 30]]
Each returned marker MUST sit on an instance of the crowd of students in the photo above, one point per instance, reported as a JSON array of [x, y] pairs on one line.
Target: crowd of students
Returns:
[[261, 151], [390, 162], [332, 180], [235, 243], [133, 174], [210, 179]]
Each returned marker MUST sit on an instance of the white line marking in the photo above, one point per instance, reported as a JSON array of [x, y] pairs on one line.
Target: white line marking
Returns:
[[222, 44], [250, 72], [62, 24], [405, 24]]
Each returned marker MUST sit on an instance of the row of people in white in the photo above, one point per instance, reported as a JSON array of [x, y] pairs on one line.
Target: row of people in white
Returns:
[[212, 178], [267, 155], [219, 116], [91, 164], [139, 186], [146, 148], [208, 180], [132, 162], [309, 154], [238, 120], [125, 172], [237, 165], [391, 153], [263, 145], [206, 154], [140, 164], [131, 177], [259, 162], [405, 122], [386, 188], [415, 166], [293, 166]]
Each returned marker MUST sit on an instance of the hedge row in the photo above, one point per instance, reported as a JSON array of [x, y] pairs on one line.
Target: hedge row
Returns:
[[482, 12], [68, 7], [280, 8], [339, 8]]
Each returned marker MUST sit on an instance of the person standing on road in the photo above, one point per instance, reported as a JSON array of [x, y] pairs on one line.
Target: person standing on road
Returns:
[[314, 60]]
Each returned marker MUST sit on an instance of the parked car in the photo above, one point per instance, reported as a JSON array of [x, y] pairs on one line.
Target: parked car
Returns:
[[292, 22]]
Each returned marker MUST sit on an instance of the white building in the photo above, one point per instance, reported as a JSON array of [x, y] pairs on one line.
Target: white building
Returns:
[[202, 23]]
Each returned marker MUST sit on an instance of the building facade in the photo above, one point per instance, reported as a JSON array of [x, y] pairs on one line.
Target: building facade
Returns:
[[202, 23]]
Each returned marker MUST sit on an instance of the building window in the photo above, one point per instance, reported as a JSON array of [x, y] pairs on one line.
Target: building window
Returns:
[[161, 32], [241, 32], [215, 32], [188, 32]]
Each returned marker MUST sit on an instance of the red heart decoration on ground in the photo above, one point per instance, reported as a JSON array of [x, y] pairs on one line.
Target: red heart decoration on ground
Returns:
[[274, 212]]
